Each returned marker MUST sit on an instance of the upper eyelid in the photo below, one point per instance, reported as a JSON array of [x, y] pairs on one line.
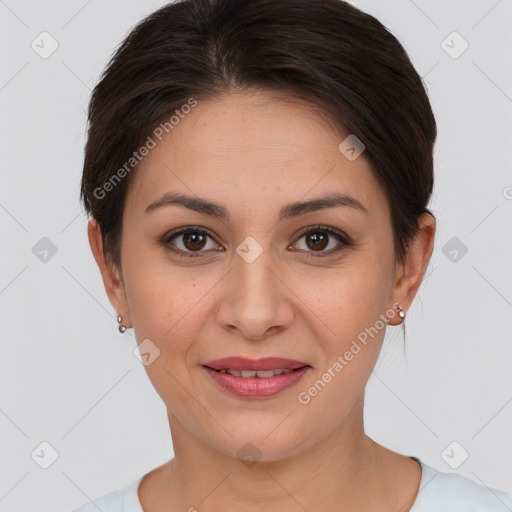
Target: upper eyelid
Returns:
[[321, 227], [186, 229]]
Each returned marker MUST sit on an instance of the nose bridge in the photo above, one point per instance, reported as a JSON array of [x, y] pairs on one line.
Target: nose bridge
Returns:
[[255, 300], [254, 279]]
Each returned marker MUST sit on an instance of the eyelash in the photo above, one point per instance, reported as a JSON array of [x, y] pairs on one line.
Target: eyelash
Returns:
[[344, 240]]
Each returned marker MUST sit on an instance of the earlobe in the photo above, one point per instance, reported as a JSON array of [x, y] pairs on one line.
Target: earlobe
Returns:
[[413, 267], [110, 274]]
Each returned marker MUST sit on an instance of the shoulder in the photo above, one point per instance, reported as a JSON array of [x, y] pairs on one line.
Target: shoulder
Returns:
[[439, 490], [120, 500]]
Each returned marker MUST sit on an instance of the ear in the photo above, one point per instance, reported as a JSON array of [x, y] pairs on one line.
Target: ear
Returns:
[[409, 273], [112, 277]]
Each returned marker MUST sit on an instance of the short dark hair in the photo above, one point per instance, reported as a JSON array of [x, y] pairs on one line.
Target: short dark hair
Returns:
[[325, 51]]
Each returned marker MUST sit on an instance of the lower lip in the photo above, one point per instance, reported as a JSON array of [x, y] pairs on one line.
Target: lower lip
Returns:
[[255, 387]]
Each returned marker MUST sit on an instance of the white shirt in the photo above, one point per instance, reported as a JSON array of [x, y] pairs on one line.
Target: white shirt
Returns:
[[439, 492]]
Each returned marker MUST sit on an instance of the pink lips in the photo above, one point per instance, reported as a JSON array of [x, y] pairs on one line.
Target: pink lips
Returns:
[[256, 387]]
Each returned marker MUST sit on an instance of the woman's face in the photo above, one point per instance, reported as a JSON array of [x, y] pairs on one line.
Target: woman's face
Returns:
[[253, 283]]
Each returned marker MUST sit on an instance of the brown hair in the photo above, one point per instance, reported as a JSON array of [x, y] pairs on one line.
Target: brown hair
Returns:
[[326, 51]]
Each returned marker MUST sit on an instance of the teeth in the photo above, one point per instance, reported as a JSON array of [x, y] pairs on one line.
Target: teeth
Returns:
[[262, 374]]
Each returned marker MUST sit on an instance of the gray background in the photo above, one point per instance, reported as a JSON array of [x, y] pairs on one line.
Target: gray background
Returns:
[[68, 378]]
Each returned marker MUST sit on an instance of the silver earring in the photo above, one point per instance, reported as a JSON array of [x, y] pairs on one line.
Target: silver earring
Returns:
[[401, 313], [122, 328]]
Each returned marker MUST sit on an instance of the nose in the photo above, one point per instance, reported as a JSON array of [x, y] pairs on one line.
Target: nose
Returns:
[[256, 301]]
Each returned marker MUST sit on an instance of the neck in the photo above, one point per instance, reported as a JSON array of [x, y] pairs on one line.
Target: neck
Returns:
[[346, 468]]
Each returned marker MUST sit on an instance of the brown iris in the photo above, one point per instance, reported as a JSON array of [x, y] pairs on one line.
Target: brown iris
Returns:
[[318, 241], [194, 241]]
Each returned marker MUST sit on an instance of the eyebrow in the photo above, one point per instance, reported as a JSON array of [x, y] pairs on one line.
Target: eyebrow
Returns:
[[288, 211]]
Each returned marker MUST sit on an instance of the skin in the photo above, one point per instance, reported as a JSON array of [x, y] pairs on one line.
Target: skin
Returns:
[[253, 153]]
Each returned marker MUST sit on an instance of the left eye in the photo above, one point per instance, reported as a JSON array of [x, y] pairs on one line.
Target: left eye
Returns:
[[317, 240]]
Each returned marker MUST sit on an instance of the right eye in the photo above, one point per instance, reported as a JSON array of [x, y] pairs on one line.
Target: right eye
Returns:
[[190, 241]]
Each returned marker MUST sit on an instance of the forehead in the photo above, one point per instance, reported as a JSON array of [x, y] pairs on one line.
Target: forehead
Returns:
[[253, 148]]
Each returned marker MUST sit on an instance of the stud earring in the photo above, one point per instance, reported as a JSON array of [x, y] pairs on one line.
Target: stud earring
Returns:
[[401, 313], [122, 328]]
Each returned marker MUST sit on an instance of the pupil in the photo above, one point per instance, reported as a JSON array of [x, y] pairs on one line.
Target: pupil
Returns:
[[194, 241], [318, 238]]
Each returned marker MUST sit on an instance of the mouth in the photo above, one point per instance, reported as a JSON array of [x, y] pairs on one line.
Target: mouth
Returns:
[[260, 378]]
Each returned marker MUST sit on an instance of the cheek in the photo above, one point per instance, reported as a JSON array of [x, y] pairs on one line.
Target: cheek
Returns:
[[166, 308], [166, 305], [349, 313], [345, 300], [156, 294]]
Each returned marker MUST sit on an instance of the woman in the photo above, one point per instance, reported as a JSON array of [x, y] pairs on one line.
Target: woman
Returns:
[[257, 175]]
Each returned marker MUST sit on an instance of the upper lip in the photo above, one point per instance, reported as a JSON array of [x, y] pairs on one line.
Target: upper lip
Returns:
[[266, 363]]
